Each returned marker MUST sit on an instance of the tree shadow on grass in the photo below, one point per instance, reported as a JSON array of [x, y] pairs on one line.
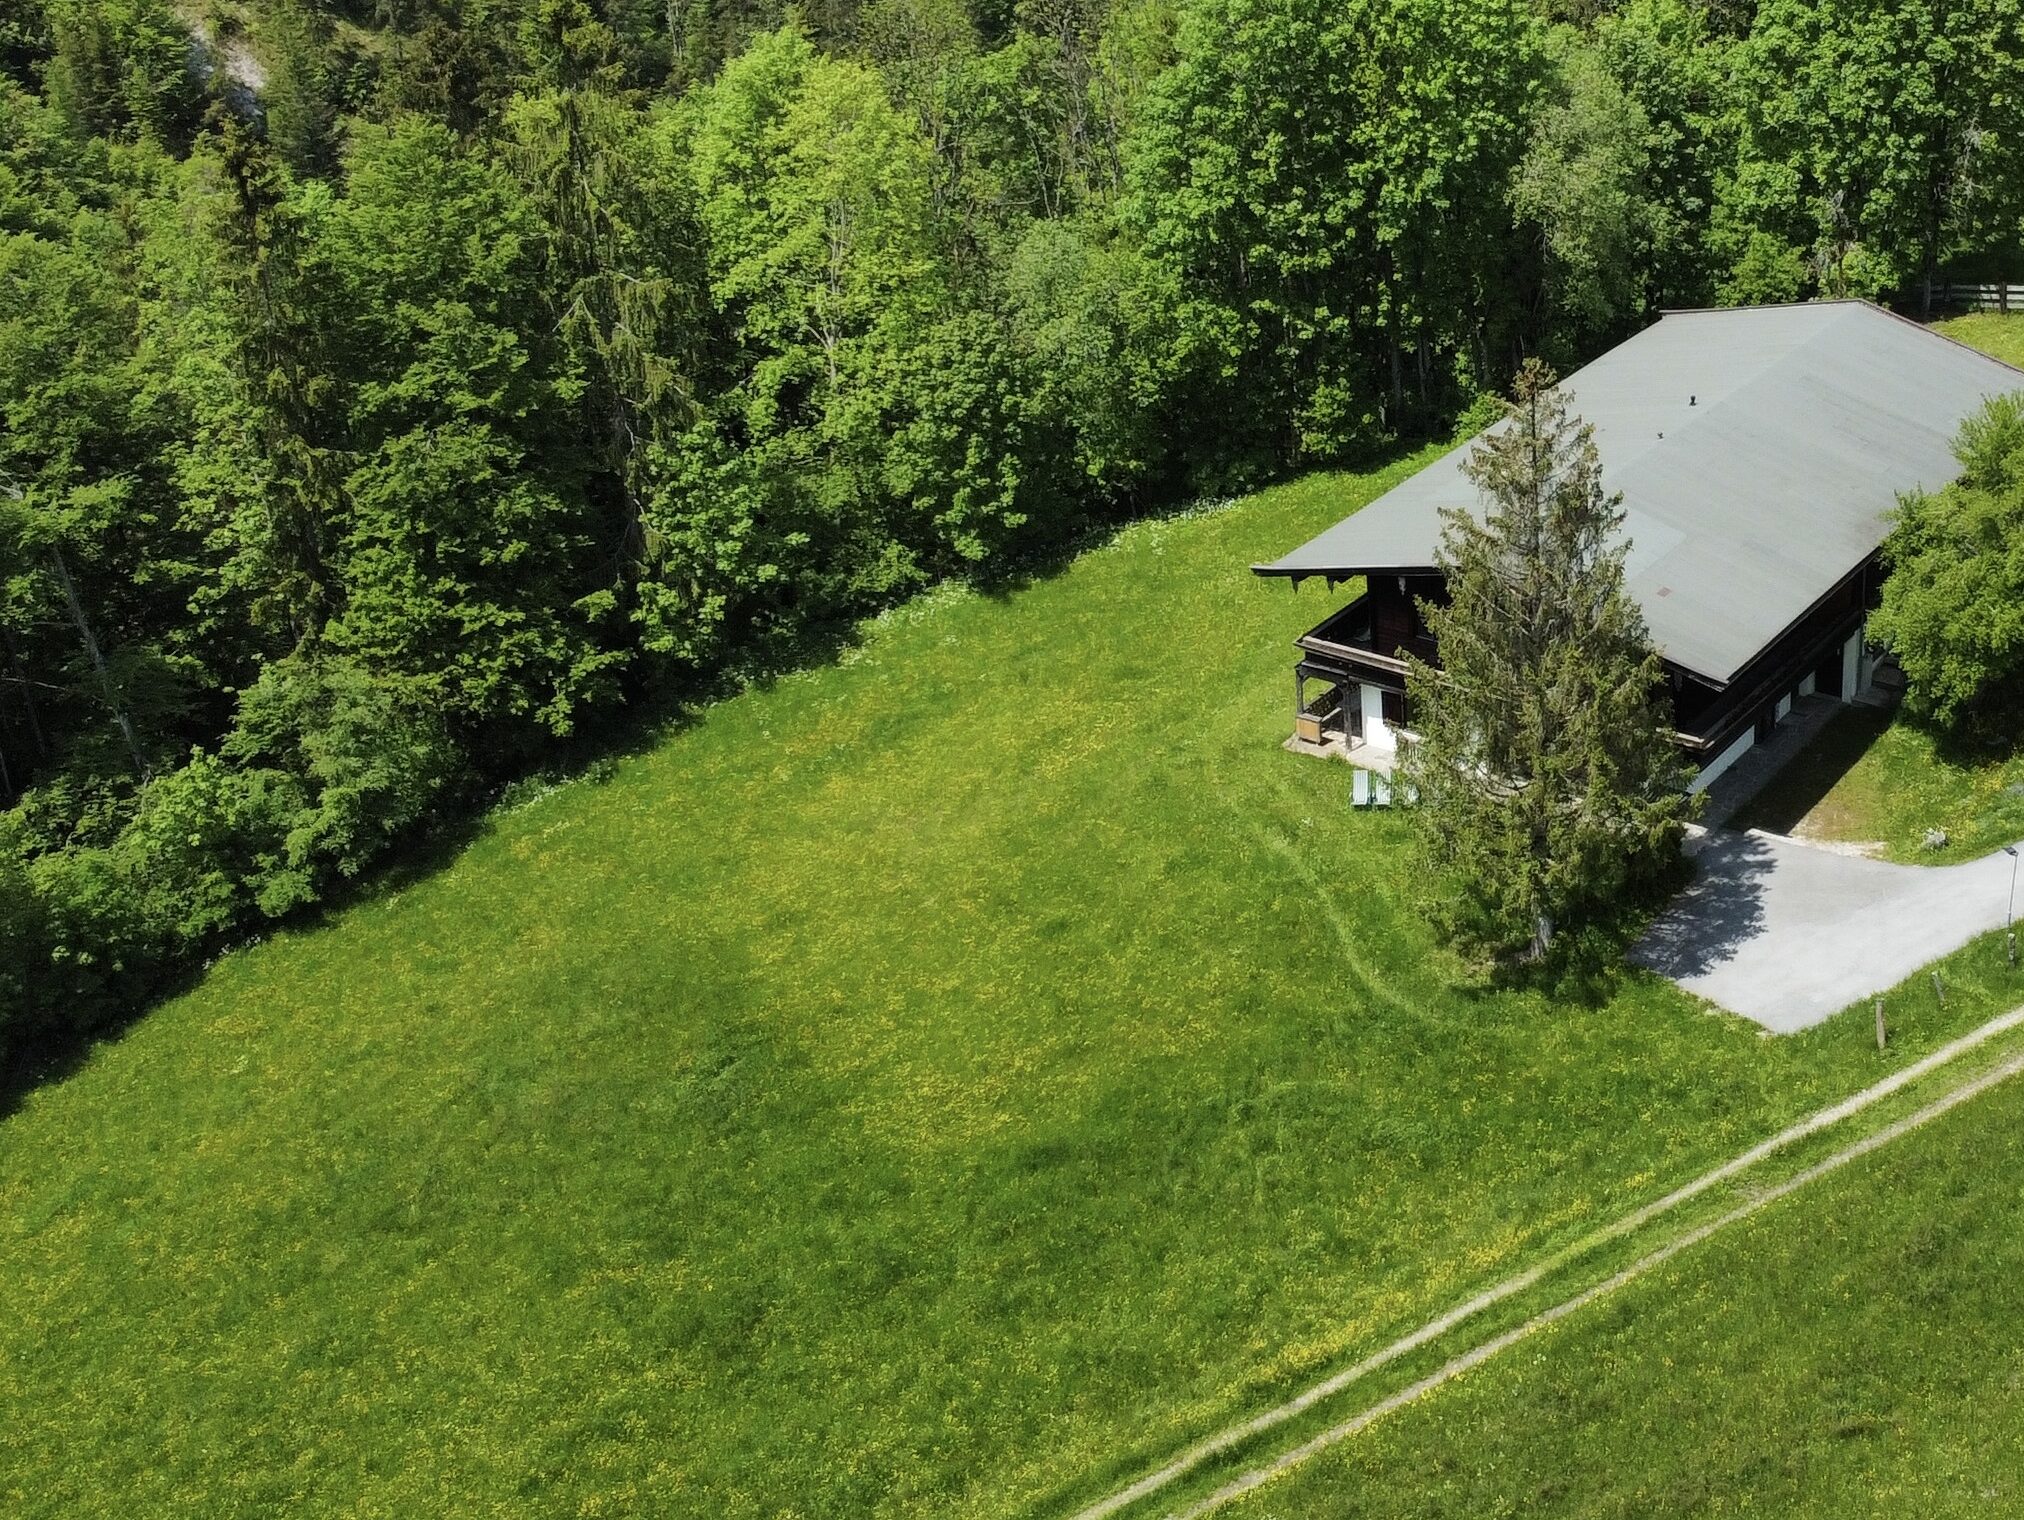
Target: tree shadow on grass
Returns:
[[1692, 916], [1003, 579], [1596, 953], [40, 1056], [1990, 735], [654, 714], [1805, 780]]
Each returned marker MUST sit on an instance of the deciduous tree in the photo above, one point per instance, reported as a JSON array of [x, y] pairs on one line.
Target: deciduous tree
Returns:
[[1581, 189], [1953, 607], [1324, 180], [1882, 136]]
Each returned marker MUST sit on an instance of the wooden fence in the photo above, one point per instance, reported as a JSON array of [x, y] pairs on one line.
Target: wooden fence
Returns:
[[1980, 297]]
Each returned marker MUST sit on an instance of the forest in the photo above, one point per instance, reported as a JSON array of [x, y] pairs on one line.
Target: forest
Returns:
[[396, 396]]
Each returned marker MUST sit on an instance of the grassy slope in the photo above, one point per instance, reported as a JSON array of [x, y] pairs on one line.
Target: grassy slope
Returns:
[[1992, 332], [1853, 1350], [1869, 781], [930, 1082]]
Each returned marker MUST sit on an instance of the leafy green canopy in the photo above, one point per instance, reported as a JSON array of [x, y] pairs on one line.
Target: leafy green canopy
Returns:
[[1326, 181], [393, 390], [344, 471], [1877, 139], [1542, 753], [1581, 183], [1953, 606]]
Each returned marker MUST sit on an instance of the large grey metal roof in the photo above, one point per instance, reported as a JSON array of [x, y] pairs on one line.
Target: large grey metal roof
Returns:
[[1747, 506]]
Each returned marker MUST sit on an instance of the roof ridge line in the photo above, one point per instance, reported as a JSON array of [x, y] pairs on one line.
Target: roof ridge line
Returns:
[[1933, 332], [1695, 311], [1876, 306]]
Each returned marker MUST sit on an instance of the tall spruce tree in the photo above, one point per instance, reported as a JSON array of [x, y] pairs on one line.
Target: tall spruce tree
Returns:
[[1548, 784], [625, 266]]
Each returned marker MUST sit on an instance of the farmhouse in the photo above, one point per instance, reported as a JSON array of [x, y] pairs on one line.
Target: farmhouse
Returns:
[[1759, 452]]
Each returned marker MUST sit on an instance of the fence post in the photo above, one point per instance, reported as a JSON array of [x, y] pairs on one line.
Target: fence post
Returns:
[[1879, 1023], [1939, 991]]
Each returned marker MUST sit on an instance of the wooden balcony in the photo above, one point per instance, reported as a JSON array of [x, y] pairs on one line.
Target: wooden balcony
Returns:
[[1352, 640]]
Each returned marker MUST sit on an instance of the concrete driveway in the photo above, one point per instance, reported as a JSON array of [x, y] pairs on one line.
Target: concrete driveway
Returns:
[[1788, 933]]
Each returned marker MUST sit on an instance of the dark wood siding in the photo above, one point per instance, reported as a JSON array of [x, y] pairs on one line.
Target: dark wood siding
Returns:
[[1367, 641], [1396, 626], [1811, 645], [1391, 614]]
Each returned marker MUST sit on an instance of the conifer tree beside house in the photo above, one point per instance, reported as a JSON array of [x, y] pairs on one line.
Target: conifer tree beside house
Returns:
[[1547, 780]]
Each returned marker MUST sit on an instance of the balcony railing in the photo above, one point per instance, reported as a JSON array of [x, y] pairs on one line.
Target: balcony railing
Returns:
[[1350, 637]]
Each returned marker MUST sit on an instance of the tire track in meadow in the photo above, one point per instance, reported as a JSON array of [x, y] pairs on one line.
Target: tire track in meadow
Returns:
[[1236, 1434]]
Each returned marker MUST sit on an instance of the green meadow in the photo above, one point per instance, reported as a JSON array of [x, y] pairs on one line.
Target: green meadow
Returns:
[[937, 1083], [1881, 780], [1851, 1350], [1996, 333]]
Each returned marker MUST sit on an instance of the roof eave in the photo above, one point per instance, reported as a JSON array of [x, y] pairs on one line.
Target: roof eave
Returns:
[[1719, 683], [1338, 574], [1298, 573]]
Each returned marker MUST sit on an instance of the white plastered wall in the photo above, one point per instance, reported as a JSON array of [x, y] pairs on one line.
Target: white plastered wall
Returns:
[[1376, 732], [1853, 676], [1714, 768]]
